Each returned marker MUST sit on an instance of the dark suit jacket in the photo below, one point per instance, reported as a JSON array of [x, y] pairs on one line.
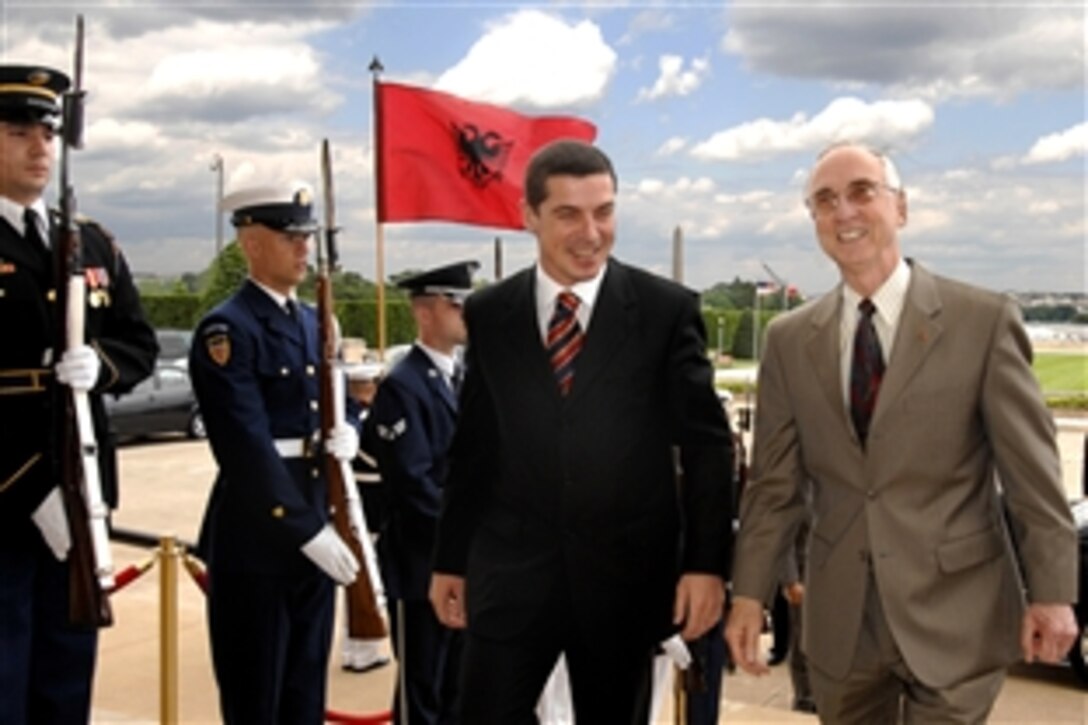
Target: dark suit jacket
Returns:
[[579, 495], [115, 327], [410, 427], [918, 506]]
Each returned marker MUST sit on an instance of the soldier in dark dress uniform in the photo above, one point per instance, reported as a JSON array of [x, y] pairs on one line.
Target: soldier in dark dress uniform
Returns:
[[46, 665], [272, 554], [413, 418]]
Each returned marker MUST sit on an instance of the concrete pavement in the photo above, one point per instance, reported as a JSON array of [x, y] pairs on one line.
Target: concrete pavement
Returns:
[[164, 486]]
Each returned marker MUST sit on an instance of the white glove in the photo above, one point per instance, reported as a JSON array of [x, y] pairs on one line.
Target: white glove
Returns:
[[343, 442], [332, 555], [355, 516], [78, 368], [53, 523]]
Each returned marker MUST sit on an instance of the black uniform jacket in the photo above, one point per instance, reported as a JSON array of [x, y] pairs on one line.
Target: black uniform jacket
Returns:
[[410, 427], [579, 494], [115, 327], [255, 373]]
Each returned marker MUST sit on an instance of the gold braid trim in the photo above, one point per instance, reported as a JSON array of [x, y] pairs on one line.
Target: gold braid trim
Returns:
[[19, 474], [114, 373]]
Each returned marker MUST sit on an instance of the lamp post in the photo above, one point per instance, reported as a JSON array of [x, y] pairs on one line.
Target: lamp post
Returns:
[[781, 285], [217, 166]]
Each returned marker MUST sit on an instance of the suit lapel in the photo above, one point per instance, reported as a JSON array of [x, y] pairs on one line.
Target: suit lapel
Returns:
[[823, 349], [522, 338], [272, 315], [917, 333], [14, 247], [432, 376], [608, 328]]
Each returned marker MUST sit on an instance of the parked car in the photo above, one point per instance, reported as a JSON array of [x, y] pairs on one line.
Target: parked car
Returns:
[[174, 347], [163, 403]]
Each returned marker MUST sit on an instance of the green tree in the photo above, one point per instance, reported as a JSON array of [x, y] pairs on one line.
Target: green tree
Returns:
[[226, 274]]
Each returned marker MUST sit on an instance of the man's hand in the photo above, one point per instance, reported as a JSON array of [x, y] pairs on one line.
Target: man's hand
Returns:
[[794, 593], [343, 442], [78, 368], [698, 604], [1047, 633], [742, 633], [448, 599], [332, 555], [52, 521]]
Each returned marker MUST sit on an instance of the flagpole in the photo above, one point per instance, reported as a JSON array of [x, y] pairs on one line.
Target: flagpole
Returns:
[[375, 69]]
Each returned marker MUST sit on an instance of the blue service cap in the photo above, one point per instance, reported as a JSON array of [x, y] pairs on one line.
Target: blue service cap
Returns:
[[31, 93], [451, 280], [285, 209]]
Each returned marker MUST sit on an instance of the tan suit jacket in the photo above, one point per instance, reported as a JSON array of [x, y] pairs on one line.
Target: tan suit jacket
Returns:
[[919, 506]]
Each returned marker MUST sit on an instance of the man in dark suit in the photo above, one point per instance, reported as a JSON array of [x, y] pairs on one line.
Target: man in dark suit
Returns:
[[272, 554], [410, 427], [46, 664], [564, 529], [901, 394]]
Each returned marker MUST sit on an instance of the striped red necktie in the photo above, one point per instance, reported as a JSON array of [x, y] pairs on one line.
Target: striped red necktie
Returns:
[[866, 372], [565, 340]]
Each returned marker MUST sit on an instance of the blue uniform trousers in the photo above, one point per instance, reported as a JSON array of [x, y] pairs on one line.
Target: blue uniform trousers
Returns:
[[270, 645], [55, 688]]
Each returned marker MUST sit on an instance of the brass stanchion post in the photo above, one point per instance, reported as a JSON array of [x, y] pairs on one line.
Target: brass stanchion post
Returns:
[[168, 630]]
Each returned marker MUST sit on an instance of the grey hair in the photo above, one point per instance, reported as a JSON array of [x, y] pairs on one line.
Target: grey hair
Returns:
[[891, 173]]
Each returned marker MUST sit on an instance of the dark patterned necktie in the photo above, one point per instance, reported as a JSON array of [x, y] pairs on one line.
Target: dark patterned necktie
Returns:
[[32, 231], [565, 340], [866, 370], [458, 377]]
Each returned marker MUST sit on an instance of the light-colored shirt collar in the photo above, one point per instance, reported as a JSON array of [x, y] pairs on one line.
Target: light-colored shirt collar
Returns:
[[445, 363], [279, 298], [547, 289], [13, 213], [889, 300]]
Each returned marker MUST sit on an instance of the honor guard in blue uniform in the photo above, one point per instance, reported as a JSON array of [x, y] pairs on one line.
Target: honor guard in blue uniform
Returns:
[[366, 653], [273, 556], [411, 425], [46, 665]]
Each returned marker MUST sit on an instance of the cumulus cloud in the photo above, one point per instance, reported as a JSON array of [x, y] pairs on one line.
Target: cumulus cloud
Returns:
[[534, 59], [881, 123], [671, 146], [926, 51], [674, 80], [1060, 146]]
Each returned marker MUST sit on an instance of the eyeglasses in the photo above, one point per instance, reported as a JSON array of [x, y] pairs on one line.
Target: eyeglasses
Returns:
[[825, 202]]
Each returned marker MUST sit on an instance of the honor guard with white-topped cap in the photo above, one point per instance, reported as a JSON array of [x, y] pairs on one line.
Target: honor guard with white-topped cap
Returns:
[[411, 425], [47, 665], [272, 555], [367, 652]]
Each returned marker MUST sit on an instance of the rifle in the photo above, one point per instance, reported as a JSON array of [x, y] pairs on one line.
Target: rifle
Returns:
[[366, 598], [90, 565]]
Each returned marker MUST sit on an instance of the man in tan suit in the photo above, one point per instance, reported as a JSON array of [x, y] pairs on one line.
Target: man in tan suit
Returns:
[[938, 507]]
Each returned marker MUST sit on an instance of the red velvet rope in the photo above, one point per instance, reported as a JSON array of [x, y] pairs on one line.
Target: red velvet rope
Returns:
[[129, 574]]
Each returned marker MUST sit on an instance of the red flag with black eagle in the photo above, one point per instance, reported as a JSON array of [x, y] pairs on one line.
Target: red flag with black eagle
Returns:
[[441, 157]]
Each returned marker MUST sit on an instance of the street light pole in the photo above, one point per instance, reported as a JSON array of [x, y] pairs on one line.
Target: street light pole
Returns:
[[217, 166], [781, 285]]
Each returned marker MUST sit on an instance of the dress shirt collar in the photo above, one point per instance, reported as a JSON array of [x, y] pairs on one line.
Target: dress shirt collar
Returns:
[[278, 297], [547, 289], [13, 212], [445, 363]]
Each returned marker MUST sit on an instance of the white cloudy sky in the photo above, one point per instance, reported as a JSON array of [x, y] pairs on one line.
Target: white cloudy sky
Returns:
[[711, 112]]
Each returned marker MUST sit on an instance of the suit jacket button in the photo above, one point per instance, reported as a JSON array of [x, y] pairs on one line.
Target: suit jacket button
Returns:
[[277, 512]]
